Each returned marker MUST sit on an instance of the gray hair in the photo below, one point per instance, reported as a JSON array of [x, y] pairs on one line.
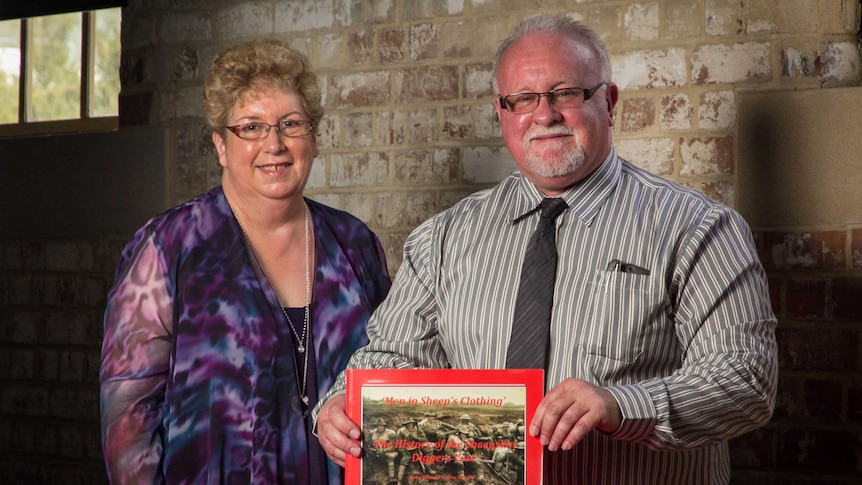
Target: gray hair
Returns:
[[555, 24]]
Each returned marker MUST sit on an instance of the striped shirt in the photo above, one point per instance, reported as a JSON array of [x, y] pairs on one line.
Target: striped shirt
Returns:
[[688, 350]]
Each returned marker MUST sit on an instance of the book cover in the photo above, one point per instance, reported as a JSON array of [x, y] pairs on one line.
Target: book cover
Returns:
[[445, 426]]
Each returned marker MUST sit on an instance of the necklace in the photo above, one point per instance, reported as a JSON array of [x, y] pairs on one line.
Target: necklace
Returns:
[[302, 340]]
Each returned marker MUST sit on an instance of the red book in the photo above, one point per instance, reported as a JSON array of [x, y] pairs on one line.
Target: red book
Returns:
[[445, 426]]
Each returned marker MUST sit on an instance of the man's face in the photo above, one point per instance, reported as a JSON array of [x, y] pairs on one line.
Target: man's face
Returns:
[[555, 147]]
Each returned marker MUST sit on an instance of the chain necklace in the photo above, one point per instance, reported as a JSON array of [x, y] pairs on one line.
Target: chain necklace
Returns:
[[302, 339]]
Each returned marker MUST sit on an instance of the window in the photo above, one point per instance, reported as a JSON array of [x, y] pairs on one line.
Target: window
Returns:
[[60, 72]]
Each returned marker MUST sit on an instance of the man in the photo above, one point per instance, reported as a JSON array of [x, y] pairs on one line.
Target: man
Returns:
[[662, 344], [462, 458], [380, 445], [466, 422], [409, 440], [433, 429], [509, 462]]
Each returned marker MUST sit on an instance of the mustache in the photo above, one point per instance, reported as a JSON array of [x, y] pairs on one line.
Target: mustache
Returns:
[[550, 131]]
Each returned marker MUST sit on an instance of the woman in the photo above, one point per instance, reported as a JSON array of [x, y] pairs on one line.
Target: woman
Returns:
[[233, 312]]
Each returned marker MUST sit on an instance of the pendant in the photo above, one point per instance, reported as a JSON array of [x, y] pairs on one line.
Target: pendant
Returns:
[[301, 349], [305, 400]]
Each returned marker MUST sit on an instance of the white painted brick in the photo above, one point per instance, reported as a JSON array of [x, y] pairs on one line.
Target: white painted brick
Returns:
[[642, 21], [424, 41], [329, 132], [676, 112], [706, 156], [353, 12], [650, 69], [748, 61], [330, 199], [328, 52], [478, 80], [303, 15], [358, 130], [417, 126], [317, 177], [794, 63], [487, 125], [652, 154], [717, 110], [358, 169], [448, 198], [724, 17], [361, 205], [484, 165], [683, 19], [840, 63], [425, 166], [243, 20], [389, 209], [420, 205]]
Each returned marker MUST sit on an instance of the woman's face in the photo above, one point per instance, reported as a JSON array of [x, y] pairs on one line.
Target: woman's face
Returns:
[[275, 167]]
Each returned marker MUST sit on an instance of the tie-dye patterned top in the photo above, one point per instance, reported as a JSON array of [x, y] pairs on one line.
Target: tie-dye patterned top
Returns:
[[195, 386]]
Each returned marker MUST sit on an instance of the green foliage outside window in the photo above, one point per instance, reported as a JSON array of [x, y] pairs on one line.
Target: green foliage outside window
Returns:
[[9, 61], [56, 54], [54, 46], [106, 78]]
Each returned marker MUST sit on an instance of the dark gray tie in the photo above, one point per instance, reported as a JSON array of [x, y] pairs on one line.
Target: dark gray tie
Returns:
[[531, 327]]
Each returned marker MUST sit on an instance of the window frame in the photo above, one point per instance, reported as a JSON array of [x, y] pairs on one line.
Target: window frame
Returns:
[[19, 10], [84, 122]]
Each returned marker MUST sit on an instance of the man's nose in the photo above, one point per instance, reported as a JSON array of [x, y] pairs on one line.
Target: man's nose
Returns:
[[546, 112]]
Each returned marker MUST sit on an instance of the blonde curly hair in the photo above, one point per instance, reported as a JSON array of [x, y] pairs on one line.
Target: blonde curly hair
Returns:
[[241, 70]]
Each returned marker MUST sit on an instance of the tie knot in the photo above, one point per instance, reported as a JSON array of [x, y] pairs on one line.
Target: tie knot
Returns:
[[552, 207]]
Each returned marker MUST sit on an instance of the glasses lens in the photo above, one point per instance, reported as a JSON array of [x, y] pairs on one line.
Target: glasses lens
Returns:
[[568, 98], [522, 102], [294, 128], [253, 131]]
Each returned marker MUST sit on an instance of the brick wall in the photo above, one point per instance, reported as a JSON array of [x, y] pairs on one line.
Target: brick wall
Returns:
[[52, 295], [410, 130]]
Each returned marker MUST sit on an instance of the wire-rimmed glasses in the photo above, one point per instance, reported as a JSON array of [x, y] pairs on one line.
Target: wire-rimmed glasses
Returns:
[[519, 103], [259, 130]]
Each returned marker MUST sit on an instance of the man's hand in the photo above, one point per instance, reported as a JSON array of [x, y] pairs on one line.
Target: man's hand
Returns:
[[337, 433], [571, 410]]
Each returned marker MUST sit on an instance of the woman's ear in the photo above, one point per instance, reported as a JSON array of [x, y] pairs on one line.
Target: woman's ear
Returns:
[[218, 141]]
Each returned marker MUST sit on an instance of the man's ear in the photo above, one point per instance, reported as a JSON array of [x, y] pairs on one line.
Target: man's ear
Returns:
[[611, 97]]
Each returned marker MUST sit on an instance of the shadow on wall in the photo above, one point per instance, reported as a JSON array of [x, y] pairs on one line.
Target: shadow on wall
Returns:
[[81, 185], [800, 157]]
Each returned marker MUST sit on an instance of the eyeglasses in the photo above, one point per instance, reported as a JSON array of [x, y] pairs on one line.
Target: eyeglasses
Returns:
[[560, 98], [260, 130]]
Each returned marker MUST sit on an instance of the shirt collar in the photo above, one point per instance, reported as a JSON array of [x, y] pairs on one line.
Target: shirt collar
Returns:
[[585, 198]]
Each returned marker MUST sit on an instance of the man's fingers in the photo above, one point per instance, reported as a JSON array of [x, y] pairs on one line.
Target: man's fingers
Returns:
[[577, 432], [571, 410], [337, 433], [559, 425]]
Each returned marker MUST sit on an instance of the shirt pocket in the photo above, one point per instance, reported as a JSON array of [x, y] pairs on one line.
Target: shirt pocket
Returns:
[[617, 315]]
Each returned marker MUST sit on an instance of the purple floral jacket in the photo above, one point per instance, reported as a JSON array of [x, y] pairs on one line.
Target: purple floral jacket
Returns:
[[190, 358]]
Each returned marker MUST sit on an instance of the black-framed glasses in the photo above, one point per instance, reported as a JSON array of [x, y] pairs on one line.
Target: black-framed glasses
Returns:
[[560, 98], [260, 130]]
